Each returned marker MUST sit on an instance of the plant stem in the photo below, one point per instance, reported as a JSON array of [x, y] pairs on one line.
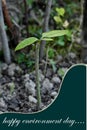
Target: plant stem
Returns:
[[45, 68], [37, 77]]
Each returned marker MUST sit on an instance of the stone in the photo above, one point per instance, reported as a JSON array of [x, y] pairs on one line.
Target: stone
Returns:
[[41, 77], [49, 73], [1, 112], [59, 58], [46, 86], [53, 94], [32, 99], [31, 91], [2, 80], [4, 66], [26, 76], [30, 83], [56, 80], [30, 87], [72, 55], [12, 66], [2, 103], [18, 70], [11, 69], [10, 72]]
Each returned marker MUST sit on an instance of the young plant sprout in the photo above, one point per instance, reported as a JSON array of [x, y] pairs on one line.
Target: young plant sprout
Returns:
[[47, 36]]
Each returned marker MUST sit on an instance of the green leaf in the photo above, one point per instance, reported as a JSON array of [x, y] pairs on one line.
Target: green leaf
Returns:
[[54, 33], [47, 39], [25, 43], [61, 41], [51, 53], [53, 65], [29, 2], [60, 11], [57, 19], [62, 71]]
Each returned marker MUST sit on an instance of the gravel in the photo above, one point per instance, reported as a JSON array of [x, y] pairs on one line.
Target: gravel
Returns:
[[18, 88]]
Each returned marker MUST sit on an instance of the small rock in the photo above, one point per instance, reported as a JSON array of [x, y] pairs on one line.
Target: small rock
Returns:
[[1, 112], [18, 70], [72, 55], [12, 66], [31, 91], [11, 69], [49, 73], [41, 77], [46, 86], [30, 83], [26, 76], [59, 58], [2, 80], [30, 87], [13, 78], [56, 80], [32, 99], [53, 94], [2, 103], [4, 66], [10, 72], [27, 85]]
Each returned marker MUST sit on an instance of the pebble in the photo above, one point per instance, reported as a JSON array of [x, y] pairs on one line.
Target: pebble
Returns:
[[59, 58], [56, 80], [2, 80], [46, 86], [30, 87], [2, 103], [32, 99], [1, 112], [18, 70], [53, 94], [72, 55], [49, 73], [30, 83], [11, 69], [4, 66], [12, 66], [41, 77], [26, 76], [10, 72]]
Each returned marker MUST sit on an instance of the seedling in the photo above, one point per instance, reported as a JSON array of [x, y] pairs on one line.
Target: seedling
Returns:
[[47, 36]]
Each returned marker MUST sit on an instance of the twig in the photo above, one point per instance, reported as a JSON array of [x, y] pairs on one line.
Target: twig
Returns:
[[37, 77], [45, 26], [4, 39], [26, 17]]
